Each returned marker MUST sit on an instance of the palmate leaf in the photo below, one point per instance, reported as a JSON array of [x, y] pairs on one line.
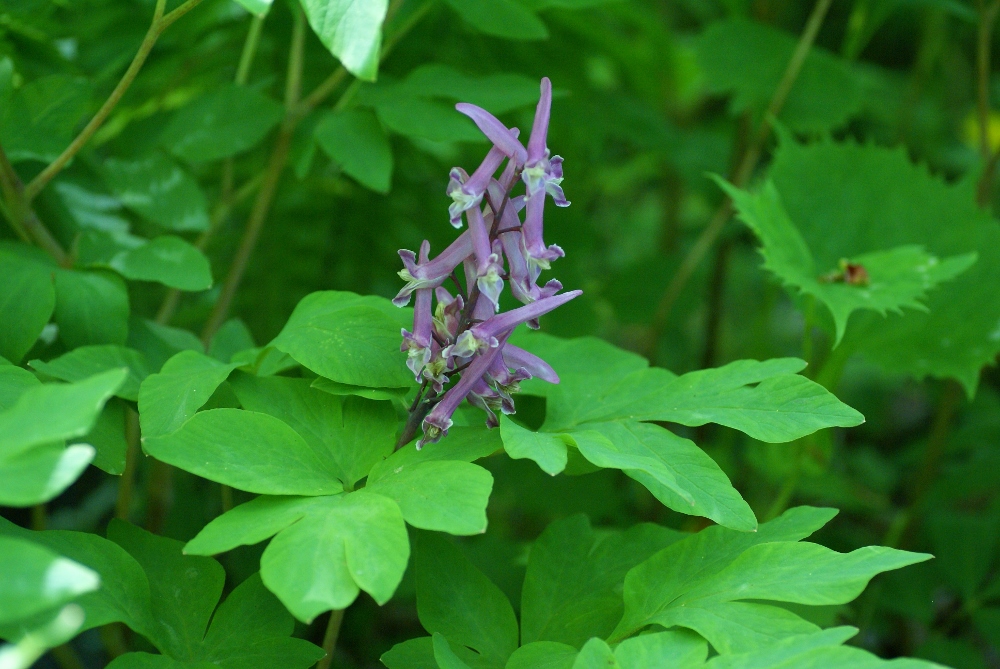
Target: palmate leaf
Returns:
[[893, 203], [605, 393], [699, 582], [897, 278]]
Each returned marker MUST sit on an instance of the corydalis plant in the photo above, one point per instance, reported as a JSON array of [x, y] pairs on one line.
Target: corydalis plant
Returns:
[[464, 334]]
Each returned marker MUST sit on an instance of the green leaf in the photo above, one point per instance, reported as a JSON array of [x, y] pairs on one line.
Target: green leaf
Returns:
[[542, 655], [53, 412], [748, 59], [498, 93], [694, 583], [446, 496], [545, 448], [257, 7], [411, 654], [677, 472], [36, 579], [184, 384], [14, 382], [158, 190], [348, 338], [444, 655], [232, 337], [465, 444], [352, 31], [84, 362], [897, 278], [356, 141], [184, 589], [249, 451], [427, 119], [352, 433], [42, 473], [596, 654], [392, 394], [27, 299], [168, 260], [345, 544], [502, 18], [964, 545], [895, 203], [224, 122], [158, 342], [91, 308], [572, 587], [785, 649], [679, 650], [455, 599], [250, 523], [40, 120], [108, 439], [149, 661]]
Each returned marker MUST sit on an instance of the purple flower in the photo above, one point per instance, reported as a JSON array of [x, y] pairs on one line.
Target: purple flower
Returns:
[[518, 358], [483, 336], [541, 173], [430, 274], [537, 255], [495, 131], [447, 314], [467, 192]]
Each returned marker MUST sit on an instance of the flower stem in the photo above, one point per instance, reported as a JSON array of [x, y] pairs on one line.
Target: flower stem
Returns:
[[330, 637]]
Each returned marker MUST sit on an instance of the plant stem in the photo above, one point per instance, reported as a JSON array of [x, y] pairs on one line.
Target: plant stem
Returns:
[[249, 50], [413, 421], [740, 177], [716, 297], [330, 637], [984, 45], [156, 28], [227, 498], [126, 484], [39, 517], [20, 214]]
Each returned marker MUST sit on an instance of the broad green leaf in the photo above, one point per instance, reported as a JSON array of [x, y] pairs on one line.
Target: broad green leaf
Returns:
[[231, 338], [542, 655], [420, 117], [158, 342], [498, 93], [247, 450], [572, 587], [411, 654], [27, 299], [42, 116], [349, 543], [678, 650], [352, 433], [785, 649], [465, 444], [653, 585], [596, 654], [91, 308], [257, 7], [748, 59], [677, 472], [445, 495], [348, 338], [158, 190], [150, 661], [168, 260], [545, 448], [251, 523], [53, 412], [456, 600], [40, 474], [352, 31], [392, 394], [897, 278], [894, 202], [108, 438], [14, 382], [503, 18], [356, 141], [36, 579], [184, 384], [184, 589], [84, 362], [444, 655], [224, 122], [124, 592]]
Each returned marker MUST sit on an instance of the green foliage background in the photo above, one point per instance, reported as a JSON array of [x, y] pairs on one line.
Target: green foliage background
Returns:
[[875, 158]]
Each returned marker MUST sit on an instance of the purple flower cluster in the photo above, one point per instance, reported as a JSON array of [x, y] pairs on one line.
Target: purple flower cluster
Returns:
[[465, 333]]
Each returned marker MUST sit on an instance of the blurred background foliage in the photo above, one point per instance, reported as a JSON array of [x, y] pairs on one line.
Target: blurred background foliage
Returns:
[[651, 95]]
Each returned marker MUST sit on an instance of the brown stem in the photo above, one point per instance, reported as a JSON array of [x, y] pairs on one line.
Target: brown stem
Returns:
[[330, 637], [413, 422], [740, 177], [156, 28]]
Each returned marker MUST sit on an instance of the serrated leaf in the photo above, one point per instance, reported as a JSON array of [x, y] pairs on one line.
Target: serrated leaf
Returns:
[[355, 140], [348, 338], [345, 544], [92, 307], [456, 600], [36, 579], [351, 432], [158, 190], [446, 495], [572, 587], [502, 18], [82, 363], [27, 299], [183, 385], [247, 450], [224, 122], [896, 278], [352, 31]]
